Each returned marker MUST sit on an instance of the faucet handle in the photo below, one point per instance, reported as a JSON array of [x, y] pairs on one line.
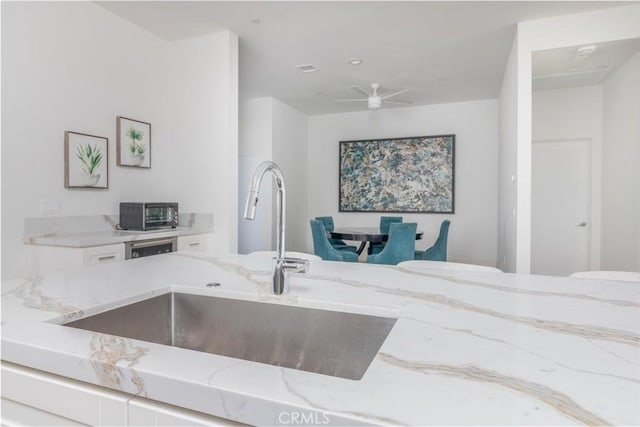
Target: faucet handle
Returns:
[[297, 265]]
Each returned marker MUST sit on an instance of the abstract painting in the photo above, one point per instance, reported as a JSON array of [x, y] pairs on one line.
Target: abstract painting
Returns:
[[86, 160], [413, 174]]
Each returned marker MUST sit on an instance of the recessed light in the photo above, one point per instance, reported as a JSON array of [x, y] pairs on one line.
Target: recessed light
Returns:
[[307, 68], [355, 61]]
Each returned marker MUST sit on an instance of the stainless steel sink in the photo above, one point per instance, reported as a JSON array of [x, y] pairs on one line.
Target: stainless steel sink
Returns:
[[321, 341]]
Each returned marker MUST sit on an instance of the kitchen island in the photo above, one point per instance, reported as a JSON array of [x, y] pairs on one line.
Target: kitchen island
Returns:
[[468, 347]]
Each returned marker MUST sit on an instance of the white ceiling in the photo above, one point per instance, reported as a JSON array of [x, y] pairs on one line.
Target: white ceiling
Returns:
[[441, 51], [561, 68]]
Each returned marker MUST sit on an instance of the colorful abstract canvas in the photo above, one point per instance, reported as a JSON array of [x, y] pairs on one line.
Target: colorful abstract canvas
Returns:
[[398, 175]]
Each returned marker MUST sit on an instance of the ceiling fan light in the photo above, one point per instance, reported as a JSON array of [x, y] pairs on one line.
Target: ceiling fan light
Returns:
[[374, 102]]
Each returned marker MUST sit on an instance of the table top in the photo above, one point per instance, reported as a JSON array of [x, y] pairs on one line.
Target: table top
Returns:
[[364, 234]]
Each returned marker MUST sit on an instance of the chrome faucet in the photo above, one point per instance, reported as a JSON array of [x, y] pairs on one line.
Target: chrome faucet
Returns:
[[281, 264]]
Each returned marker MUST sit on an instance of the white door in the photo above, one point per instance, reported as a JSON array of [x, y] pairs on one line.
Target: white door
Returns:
[[560, 207]]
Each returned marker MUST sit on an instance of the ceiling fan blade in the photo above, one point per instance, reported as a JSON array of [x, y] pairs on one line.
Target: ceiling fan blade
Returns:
[[351, 100], [362, 91], [398, 102], [389, 95]]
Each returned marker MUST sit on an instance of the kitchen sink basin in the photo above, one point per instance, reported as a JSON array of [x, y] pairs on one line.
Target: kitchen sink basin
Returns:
[[322, 341]]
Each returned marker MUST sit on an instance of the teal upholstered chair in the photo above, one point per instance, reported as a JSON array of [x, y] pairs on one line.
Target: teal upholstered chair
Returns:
[[336, 243], [400, 245], [437, 252], [385, 222], [323, 248]]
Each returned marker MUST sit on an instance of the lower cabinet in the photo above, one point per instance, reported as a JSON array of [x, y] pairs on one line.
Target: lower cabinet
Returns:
[[51, 259], [36, 398], [58, 397], [47, 259], [196, 242]]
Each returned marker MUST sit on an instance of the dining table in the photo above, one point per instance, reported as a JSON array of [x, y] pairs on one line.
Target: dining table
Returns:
[[364, 235]]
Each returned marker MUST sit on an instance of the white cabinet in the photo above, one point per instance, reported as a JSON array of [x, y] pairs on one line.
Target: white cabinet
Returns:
[[196, 242], [145, 412], [17, 414], [35, 398], [47, 259], [103, 254], [55, 398]]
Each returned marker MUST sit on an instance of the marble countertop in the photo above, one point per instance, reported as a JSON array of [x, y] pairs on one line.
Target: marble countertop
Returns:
[[101, 238], [99, 230], [479, 348]]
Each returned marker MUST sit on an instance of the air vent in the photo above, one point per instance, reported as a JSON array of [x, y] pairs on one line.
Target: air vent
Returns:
[[307, 68]]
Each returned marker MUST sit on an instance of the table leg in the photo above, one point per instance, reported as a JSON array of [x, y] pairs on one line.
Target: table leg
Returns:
[[361, 248]]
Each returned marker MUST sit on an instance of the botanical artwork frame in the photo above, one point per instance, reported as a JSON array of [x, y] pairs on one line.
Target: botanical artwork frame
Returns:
[[403, 175], [86, 161], [133, 143]]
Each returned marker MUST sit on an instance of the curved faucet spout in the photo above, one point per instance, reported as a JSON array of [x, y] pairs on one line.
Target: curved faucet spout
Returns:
[[279, 277]]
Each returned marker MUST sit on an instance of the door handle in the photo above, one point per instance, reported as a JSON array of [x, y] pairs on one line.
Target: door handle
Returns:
[[581, 224]]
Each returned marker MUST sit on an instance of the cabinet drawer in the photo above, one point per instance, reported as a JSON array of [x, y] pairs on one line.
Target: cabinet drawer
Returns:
[[103, 254], [197, 242]]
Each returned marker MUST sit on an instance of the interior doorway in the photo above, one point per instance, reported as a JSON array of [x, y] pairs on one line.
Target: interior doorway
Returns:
[[561, 217]]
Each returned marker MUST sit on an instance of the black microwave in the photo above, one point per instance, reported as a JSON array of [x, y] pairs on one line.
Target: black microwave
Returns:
[[148, 216]]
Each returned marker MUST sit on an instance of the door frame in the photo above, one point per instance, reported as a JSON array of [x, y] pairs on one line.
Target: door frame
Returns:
[[594, 214]]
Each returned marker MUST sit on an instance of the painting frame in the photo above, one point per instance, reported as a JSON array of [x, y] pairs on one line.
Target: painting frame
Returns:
[[85, 172], [136, 154], [347, 189]]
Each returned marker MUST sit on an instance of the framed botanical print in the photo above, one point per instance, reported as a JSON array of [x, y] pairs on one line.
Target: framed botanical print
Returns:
[[133, 144], [86, 161]]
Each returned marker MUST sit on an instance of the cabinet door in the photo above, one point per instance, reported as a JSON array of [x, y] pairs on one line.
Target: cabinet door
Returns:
[[103, 254], [16, 414], [144, 412], [59, 397]]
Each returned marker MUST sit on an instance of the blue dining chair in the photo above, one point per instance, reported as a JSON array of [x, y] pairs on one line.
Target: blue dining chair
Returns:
[[336, 243], [400, 245], [323, 248], [437, 252], [385, 222]]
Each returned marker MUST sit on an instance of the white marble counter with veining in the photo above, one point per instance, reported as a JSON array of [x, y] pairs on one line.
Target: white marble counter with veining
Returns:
[[100, 230], [101, 238], [468, 347]]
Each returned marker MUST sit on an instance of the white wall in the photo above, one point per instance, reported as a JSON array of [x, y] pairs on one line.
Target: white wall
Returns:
[[599, 26], [75, 66], [472, 236], [256, 134], [272, 130], [290, 153], [203, 124], [621, 168], [572, 114], [507, 169]]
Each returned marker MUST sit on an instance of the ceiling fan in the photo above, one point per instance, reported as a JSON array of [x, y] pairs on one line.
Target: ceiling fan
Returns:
[[374, 99]]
